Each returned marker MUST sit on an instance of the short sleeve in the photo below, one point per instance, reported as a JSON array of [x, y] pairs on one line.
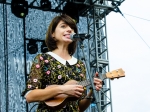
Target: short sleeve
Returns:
[[35, 79]]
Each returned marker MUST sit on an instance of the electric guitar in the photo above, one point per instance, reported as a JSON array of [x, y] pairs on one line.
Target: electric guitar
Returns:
[[59, 101]]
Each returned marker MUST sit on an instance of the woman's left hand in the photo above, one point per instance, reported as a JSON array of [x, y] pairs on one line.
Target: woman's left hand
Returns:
[[97, 82]]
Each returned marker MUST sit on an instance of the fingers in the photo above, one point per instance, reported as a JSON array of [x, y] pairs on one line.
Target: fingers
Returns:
[[97, 82], [75, 90], [98, 87], [78, 91], [96, 74], [78, 94], [79, 88]]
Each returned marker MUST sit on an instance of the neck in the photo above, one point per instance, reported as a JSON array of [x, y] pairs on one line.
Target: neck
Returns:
[[62, 52]]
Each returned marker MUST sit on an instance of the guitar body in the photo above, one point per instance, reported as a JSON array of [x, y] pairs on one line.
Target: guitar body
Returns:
[[59, 101]]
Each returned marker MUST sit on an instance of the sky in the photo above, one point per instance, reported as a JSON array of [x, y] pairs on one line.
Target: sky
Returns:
[[129, 49]]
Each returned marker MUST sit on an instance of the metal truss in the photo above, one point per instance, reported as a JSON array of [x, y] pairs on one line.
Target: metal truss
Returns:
[[99, 54], [98, 50], [83, 7]]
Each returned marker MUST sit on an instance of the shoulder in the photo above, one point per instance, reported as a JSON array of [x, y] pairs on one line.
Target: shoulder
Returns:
[[42, 56]]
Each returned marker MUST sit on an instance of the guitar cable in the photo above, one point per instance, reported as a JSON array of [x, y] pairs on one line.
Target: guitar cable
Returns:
[[32, 107]]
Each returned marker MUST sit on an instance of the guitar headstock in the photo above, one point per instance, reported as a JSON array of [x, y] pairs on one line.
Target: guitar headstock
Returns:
[[115, 74]]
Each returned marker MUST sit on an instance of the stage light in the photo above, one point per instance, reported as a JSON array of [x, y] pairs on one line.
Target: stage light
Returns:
[[45, 5], [2, 1], [101, 1], [19, 8], [79, 1], [32, 47], [71, 10], [44, 48]]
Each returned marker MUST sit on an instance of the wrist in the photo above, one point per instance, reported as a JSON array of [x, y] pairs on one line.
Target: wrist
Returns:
[[61, 89]]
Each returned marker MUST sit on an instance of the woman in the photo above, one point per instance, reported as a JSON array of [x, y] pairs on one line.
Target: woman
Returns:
[[50, 71]]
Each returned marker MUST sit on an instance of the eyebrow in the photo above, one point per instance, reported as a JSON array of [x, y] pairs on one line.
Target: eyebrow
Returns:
[[62, 23]]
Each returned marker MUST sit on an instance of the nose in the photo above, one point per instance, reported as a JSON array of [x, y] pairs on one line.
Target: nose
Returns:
[[69, 29]]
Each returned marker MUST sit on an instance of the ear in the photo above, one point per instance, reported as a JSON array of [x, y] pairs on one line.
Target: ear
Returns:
[[53, 34]]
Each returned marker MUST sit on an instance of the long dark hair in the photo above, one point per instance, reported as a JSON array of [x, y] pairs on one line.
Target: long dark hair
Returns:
[[50, 42]]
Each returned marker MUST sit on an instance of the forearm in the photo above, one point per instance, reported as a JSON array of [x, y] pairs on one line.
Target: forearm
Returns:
[[43, 94], [84, 103]]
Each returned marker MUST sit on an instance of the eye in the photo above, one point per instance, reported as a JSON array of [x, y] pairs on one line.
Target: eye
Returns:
[[63, 26]]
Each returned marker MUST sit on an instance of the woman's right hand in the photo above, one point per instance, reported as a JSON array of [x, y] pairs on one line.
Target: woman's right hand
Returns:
[[73, 90]]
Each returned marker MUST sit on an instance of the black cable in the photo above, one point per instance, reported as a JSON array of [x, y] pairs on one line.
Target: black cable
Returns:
[[6, 54], [89, 72], [138, 33], [137, 17], [31, 4], [118, 10], [4, 30], [25, 57], [32, 107]]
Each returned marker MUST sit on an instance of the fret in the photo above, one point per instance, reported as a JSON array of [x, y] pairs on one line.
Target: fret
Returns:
[[84, 83]]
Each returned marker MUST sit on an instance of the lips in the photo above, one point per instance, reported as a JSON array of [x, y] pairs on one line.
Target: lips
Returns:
[[67, 36]]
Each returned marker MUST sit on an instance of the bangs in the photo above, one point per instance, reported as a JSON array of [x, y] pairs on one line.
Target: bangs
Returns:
[[70, 22]]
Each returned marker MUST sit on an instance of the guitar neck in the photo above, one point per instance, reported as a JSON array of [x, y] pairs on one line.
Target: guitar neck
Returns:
[[110, 75], [84, 83], [104, 77], [87, 82]]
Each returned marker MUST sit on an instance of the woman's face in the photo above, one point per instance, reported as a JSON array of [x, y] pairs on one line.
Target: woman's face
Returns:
[[62, 33]]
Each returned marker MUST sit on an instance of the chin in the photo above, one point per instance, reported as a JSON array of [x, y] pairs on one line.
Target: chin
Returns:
[[68, 41]]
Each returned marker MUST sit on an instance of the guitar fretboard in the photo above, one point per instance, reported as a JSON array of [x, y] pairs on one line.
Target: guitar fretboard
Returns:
[[87, 82], [84, 83], [111, 75]]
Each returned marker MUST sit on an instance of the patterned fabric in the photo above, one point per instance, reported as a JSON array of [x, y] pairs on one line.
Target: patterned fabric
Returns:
[[46, 70]]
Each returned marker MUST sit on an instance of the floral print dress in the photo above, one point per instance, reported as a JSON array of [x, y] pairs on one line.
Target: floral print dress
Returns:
[[48, 70]]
